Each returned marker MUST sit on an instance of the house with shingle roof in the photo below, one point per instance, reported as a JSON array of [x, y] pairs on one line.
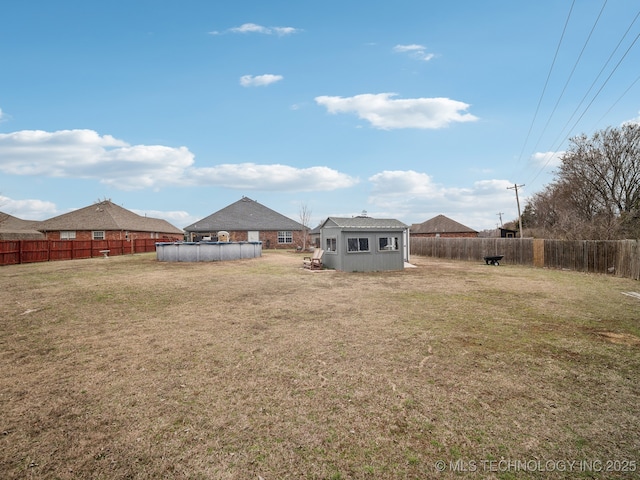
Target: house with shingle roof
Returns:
[[14, 228], [249, 221], [105, 220], [441, 226], [364, 244]]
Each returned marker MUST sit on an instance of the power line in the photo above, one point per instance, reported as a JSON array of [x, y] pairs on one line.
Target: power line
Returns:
[[620, 97], [607, 80], [546, 83], [597, 77], [562, 137], [575, 65], [591, 103]]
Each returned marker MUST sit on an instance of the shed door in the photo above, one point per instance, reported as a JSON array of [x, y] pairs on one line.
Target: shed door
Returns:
[[253, 236]]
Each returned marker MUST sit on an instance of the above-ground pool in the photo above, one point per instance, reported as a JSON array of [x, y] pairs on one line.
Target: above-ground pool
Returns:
[[207, 251]]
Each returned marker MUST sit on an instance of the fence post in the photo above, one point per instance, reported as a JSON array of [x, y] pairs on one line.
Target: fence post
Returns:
[[538, 252]]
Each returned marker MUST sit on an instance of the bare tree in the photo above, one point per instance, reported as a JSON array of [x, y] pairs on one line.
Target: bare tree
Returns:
[[558, 212], [597, 191], [305, 219]]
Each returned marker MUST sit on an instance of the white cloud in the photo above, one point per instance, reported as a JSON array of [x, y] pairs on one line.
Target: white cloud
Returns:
[[415, 51], [4, 116], [254, 28], [386, 113], [403, 184], [259, 80], [408, 48], [547, 159], [415, 196], [281, 31], [29, 209], [249, 28], [86, 154], [251, 176]]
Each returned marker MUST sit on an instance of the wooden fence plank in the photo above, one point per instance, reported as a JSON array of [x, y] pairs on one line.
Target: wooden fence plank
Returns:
[[621, 258], [14, 252], [34, 251], [10, 252]]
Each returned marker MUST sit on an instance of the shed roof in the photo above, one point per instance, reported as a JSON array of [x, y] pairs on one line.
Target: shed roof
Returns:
[[106, 215], [440, 224], [244, 215], [364, 223]]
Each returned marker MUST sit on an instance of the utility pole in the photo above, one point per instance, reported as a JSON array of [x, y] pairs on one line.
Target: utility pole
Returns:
[[515, 187], [500, 215]]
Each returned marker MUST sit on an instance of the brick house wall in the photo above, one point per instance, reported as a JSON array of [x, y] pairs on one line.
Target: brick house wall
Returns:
[[269, 239], [116, 235]]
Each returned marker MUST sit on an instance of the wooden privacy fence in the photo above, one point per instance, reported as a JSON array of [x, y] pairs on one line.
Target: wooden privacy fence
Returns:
[[13, 252], [519, 252], [618, 257]]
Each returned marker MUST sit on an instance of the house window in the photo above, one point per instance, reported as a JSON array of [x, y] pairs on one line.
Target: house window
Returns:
[[285, 237], [97, 234], [330, 244], [388, 244], [67, 235], [357, 244]]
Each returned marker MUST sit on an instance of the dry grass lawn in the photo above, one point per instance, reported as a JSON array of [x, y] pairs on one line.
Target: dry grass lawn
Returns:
[[257, 369]]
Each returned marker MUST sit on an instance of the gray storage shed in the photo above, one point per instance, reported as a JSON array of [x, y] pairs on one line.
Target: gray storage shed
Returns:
[[364, 244]]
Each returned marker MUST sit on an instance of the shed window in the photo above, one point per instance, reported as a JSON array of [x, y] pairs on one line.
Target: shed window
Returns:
[[285, 237], [98, 234], [68, 235], [357, 244], [330, 244], [388, 244]]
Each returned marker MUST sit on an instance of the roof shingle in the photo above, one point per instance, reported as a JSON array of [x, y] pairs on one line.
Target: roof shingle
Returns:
[[244, 215], [440, 224], [365, 223], [106, 215], [15, 228]]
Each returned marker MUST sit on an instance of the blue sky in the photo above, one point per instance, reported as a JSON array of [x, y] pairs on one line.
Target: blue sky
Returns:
[[405, 109]]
